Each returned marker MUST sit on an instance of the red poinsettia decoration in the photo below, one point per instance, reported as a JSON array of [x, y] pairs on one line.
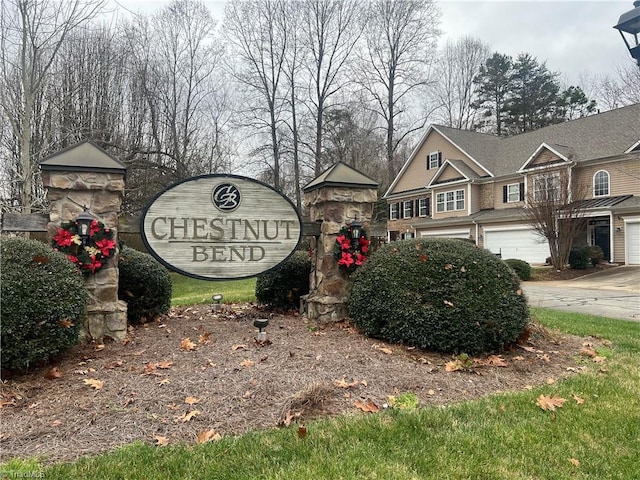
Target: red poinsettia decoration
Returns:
[[91, 256], [351, 252]]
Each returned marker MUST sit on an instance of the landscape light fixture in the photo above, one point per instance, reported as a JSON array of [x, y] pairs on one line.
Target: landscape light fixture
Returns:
[[629, 28], [84, 225], [261, 324], [217, 298], [356, 229]]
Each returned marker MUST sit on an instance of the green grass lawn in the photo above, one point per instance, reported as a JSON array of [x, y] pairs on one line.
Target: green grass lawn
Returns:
[[504, 436], [189, 291]]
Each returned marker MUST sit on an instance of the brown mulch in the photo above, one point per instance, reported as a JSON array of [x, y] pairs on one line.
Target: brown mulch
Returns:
[[302, 372], [551, 274]]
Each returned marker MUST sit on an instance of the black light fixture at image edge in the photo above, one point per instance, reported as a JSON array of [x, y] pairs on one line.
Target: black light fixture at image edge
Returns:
[[356, 229], [84, 225], [629, 24]]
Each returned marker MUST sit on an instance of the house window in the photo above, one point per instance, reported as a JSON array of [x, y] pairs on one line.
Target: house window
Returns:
[[423, 207], [546, 188], [434, 160], [393, 211], [514, 192], [408, 235], [450, 201], [601, 184], [407, 211]]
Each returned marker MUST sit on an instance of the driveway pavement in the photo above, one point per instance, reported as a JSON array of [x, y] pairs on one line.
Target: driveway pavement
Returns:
[[613, 293]]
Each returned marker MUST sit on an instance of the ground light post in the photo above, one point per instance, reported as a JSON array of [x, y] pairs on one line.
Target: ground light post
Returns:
[[629, 28]]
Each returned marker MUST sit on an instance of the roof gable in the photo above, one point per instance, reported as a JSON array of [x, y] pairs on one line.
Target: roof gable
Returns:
[[546, 155], [341, 175], [83, 157], [452, 171]]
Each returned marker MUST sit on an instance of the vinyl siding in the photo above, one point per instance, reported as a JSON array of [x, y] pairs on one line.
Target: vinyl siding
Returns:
[[624, 176]]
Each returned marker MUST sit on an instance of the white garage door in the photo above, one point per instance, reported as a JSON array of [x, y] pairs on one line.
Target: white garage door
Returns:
[[463, 233], [521, 243], [632, 247]]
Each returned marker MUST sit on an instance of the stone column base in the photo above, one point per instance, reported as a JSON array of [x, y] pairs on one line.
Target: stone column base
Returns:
[[105, 320], [326, 309]]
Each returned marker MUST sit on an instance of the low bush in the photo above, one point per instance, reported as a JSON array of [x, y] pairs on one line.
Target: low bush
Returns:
[[579, 257], [596, 255], [438, 294], [43, 302], [522, 268], [283, 286], [144, 284]]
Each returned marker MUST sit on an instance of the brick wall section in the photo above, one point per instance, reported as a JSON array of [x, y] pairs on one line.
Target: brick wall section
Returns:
[[102, 194]]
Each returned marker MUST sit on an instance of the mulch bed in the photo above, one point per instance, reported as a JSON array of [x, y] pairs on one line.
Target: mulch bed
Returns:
[[302, 372]]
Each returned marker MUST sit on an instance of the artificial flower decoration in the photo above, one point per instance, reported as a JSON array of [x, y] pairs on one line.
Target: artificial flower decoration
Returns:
[[91, 257], [351, 252]]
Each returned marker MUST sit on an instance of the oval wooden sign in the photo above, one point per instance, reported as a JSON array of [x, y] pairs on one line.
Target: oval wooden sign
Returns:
[[220, 227]]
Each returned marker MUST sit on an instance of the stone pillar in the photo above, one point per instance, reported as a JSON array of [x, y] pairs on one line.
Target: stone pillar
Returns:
[[100, 188], [334, 206]]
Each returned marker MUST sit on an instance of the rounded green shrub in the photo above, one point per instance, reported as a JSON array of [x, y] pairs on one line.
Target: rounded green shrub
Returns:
[[43, 301], [439, 294], [283, 286], [522, 268], [596, 255], [579, 257], [144, 284]]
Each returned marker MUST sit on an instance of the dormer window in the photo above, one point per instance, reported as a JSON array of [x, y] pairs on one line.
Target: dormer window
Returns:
[[601, 184], [434, 160]]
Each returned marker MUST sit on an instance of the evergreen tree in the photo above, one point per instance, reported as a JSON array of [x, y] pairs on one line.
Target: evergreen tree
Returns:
[[573, 103], [494, 84]]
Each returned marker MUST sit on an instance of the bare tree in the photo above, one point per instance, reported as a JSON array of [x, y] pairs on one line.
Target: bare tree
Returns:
[[555, 209], [331, 29], [31, 35], [400, 46], [258, 32], [455, 90]]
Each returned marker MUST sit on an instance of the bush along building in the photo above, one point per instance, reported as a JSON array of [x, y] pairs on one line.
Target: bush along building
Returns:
[[484, 188]]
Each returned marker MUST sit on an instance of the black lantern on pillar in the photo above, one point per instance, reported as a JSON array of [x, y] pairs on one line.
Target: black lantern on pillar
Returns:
[[356, 229], [629, 28], [84, 225]]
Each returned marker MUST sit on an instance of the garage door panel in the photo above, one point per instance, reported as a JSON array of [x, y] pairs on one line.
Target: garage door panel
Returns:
[[632, 234], [523, 244]]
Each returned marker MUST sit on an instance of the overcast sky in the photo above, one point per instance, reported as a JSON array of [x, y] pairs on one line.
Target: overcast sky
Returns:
[[573, 36]]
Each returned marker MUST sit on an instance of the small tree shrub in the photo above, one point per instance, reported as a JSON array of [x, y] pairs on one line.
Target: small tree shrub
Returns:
[[579, 257], [522, 268], [596, 255], [438, 294], [283, 286], [144, 284], [43, 301]]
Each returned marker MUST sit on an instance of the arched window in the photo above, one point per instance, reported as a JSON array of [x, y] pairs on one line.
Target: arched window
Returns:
[[601, 183]]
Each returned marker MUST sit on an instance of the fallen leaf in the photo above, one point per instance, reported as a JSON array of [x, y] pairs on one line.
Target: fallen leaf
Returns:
[[188, 416], [496, 361], [187, 345], [94, 383], [448, 266], [191, 400], [289, 416], [386, 350], [550, 403], [99, 347], [66, 323], [550, 381], [448, 303], [431, 392], [53, 373], [344, 384], [165, 364], [239, 346], [519, 292], [588, 351], [247, 363], [453, 366], [206, 436], [599, 359], [115, 364], [149, 369], [164, 381], [579, 400], [366, 406], [575, 462], [55, 423], [161, 441], [204, 337], [302, 431], [423, 258]]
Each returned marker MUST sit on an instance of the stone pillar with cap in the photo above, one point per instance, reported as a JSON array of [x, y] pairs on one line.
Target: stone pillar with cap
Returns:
[[335, 198], [84, 176]]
